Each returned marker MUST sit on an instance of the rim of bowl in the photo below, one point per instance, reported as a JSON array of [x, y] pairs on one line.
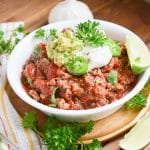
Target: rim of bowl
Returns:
[[26, 98]]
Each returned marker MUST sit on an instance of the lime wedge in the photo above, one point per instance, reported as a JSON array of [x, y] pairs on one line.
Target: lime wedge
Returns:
[[139, 136], [138, 54]]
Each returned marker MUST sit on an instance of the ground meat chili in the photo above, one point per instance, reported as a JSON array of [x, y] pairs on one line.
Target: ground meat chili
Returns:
[[40, 76]]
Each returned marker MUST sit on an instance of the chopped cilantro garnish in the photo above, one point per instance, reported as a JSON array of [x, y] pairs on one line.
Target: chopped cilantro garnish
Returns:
[[40, 33], [112, 77], [138, 101], [53, 32], [6, 46], [36, 52]]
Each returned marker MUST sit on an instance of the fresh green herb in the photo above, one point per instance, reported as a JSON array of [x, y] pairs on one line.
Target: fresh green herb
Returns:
[[89, 33], [40, 33], [36, 52], [95, 145], [112, 77], [1, 34], [29, 80], [71, 133], [17, 40], [53, 32], [53, 98], [20, 28], [6, 46], [114, 47], [52, 123], [54, 129], [77, 66], [137, 59], [137, 102], [29, 120]]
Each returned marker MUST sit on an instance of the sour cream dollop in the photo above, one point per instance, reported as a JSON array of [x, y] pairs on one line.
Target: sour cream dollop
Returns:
[[98, 57]]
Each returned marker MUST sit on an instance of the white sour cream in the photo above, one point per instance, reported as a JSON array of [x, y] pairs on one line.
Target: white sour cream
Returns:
[[98, 57]]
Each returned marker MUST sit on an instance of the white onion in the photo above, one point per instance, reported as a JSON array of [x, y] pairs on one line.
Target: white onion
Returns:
[[69, 10]]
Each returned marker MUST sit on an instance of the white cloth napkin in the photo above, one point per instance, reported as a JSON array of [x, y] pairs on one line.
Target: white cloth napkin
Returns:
[[12, 134]]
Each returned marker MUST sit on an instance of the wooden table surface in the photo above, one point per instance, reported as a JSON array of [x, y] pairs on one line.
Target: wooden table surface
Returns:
[[134, 15]]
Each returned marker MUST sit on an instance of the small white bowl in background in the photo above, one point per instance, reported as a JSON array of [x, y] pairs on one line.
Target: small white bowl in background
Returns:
[[23, 51]]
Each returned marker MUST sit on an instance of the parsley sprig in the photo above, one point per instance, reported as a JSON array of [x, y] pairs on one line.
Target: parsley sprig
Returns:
[[29, 121], [6, 46], [89, 33], [60, 135], [42, 33], [138, 102]]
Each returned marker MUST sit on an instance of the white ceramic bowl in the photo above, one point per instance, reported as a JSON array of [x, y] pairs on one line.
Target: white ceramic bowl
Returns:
[[24, 49]]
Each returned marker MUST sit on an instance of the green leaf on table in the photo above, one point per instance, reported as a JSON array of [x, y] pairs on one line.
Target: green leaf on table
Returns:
[[1, 34], [54, 129], [95, 145], [61, 135], [29, 120], [52, 123], [20, 29], [138, 102], [7, 45]]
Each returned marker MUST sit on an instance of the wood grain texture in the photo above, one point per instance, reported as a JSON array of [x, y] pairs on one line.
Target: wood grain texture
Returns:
[[114, 144], [134, 15], [33, 12], [116, 124]]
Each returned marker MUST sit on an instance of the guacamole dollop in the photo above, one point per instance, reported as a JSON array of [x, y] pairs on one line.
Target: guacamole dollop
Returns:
[[62, 48]]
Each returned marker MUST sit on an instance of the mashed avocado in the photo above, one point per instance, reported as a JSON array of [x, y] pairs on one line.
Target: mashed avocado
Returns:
[[63, 47]]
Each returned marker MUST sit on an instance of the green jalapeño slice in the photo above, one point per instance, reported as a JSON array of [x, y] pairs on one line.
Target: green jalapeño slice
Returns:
[[77, 66]]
